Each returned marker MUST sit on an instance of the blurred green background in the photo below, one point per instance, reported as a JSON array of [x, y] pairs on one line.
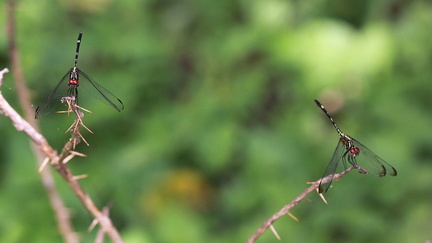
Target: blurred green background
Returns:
[[219, 129]]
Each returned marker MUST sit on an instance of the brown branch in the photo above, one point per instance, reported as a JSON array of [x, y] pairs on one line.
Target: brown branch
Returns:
[[285, 210], [57, 161]]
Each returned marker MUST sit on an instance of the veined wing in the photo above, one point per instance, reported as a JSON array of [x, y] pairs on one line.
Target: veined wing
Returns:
[[101, 93], [53, 99], [332, 166], [372, 163]]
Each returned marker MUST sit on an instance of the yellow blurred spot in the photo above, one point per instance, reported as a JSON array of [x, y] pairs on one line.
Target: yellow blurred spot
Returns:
[[184, 187]]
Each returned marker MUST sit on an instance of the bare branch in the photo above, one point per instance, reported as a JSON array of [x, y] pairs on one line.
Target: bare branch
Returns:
[[285, 210]]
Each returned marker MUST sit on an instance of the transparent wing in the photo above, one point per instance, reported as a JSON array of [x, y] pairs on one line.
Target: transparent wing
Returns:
[[53, 99], [100, 92], [332, 166], [372, 163]]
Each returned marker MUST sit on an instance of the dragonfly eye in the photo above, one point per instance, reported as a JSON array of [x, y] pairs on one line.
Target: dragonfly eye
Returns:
[[354, 151], [73, 83]]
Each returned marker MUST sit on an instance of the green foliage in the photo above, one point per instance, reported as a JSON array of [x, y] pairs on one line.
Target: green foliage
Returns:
[[220, 129]]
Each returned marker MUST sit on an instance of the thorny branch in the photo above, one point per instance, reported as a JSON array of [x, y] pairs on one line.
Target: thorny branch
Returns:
[[285, 210], [58, 161]]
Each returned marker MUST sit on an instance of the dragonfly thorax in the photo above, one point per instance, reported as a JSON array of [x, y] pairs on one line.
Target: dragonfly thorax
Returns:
[[346, 141]]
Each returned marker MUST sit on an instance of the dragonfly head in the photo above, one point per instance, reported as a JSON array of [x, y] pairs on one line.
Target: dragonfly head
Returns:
[[73, 83], [354, 151], [73, 78]]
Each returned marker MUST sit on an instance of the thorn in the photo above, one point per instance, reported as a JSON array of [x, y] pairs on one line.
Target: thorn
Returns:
[[323, 198], [88, 129], [80, 177], [44, 163], [77, 153], [68, 158], [292, 216], [307, 200], [61, 112], [70, 128], [92, 225], [73, 154], [84, 109], [85, 141], [274, 232], [105, 212]]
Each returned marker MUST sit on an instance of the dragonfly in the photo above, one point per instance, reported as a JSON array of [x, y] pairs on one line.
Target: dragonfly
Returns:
[[68, 86], [351, 150]]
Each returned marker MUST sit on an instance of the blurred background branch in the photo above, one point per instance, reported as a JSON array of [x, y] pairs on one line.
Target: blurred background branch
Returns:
[[61, 213]]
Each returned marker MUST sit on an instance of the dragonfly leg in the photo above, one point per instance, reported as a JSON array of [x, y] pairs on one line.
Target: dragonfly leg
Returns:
[[73, 92], [344, 159], [352, 160]]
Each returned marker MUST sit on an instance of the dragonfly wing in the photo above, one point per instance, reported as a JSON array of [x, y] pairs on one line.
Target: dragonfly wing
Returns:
[[332, 166], [100, 92], [53, 99], [372, 163]]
